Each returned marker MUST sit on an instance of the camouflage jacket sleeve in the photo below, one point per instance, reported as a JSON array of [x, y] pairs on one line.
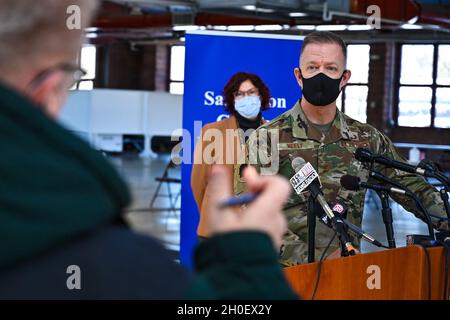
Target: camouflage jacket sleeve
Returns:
[[259, 153], [426, 193]]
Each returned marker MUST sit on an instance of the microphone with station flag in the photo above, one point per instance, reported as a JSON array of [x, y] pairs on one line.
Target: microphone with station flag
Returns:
[[341, 209], [306, 178]]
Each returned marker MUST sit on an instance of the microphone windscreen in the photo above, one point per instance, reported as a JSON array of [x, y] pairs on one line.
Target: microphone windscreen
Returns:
[[363, 155], [298, 163], [350, 182]]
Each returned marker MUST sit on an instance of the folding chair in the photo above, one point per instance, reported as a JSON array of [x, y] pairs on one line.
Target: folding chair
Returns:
[[172, 196]]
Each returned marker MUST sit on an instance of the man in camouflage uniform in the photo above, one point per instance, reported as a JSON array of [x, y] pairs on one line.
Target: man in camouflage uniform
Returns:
[[317, 131]]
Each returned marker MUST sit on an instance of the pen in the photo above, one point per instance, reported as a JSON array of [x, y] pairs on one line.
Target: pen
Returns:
[[238, 200]]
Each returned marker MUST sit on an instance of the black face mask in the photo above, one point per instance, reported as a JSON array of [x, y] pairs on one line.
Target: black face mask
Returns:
[[321, 90]]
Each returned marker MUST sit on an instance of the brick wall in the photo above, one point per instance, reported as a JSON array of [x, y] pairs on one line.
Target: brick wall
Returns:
[[122, 66]]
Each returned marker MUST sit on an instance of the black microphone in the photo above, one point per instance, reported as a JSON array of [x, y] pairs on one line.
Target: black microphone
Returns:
[[306, 178], [382, 178], [341, 209], [354, 183], [365, 155], [361, 234]]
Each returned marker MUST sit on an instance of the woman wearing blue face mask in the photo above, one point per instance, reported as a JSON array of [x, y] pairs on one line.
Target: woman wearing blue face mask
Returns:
[[245, 97]]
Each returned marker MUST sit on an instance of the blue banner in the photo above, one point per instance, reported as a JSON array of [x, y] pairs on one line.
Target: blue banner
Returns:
[[211, 59]]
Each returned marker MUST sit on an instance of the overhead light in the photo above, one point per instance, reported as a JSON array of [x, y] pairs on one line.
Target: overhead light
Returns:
[[221, 28], [331, 27], [182, 39], [241, 28], [305, 27], [268, 27], [254, 8], [297, 14], [250, 7], [410, 26], [359, 27], [188, 28]]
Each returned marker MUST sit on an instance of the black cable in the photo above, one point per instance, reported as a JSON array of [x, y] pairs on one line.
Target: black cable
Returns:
[[429, 270], [319, 267]]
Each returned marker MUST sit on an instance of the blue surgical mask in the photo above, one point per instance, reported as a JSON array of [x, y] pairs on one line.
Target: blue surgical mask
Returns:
[[248, 107]]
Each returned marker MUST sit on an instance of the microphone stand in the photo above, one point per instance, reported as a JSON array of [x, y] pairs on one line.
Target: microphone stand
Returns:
[[419, 205], [386, 212], [344, 251], [311, 222], [337, 224]]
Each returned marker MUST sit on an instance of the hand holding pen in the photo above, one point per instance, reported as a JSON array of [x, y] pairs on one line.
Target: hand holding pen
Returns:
[[265, 200]]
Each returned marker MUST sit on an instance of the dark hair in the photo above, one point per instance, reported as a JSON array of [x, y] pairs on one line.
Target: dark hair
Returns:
[[235, 82], [324, 37]]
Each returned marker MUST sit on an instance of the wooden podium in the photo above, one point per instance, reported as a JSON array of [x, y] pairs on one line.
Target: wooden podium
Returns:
[[394, 274]]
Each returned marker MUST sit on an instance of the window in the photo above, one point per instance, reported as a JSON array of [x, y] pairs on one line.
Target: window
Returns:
[[353, 99], [424, 86], [176, 85], [88, 55]]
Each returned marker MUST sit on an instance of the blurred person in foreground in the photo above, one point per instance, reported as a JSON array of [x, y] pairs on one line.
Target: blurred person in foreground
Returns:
[[61, 202]]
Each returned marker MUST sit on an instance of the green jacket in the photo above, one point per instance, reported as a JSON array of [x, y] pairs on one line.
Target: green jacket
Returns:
[[226, 269], [53, 186], [290, 135], [54, 189]]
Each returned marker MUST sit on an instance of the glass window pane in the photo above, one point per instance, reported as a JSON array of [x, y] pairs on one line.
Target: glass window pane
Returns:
[[358, 62], [177, 63], [339, 101], [443, 74], [356, 102], [86, 85], [414, 109], [417, 64], [442, 119], [176, 87], [87, 60]]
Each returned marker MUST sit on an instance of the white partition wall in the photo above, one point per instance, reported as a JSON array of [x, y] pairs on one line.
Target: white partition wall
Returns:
[[104, 116]]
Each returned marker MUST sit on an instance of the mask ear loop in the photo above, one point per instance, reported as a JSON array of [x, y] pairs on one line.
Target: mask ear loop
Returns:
[[300, 70]]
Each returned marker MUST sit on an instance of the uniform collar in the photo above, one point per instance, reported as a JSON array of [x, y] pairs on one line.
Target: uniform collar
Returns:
[[302, 130]]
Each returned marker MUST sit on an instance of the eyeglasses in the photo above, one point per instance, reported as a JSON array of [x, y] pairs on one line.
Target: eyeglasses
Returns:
[[253, 92], [76, 74]]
